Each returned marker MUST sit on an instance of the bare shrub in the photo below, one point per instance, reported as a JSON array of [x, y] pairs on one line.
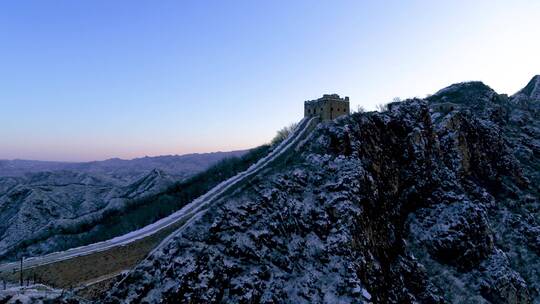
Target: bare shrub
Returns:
[[283, 133]]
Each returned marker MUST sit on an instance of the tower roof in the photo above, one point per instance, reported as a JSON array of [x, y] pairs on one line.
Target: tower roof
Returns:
[[329, 97]]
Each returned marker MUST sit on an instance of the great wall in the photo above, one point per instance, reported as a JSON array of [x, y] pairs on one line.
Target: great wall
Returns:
[[91, 267]]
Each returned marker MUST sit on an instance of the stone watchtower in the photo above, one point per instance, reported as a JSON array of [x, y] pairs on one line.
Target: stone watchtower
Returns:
[[327, 107]]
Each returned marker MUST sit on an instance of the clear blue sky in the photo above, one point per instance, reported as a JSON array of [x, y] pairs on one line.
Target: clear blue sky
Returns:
[[85, 80]]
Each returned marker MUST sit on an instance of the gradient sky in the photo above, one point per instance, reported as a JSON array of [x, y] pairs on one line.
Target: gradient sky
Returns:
[[90, 80]]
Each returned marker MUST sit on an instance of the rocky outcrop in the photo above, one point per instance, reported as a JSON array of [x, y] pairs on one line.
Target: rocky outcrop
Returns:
[[530, 91], [457, 234]]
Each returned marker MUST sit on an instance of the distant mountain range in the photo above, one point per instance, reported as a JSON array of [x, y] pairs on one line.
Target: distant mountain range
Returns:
[[179, 166]]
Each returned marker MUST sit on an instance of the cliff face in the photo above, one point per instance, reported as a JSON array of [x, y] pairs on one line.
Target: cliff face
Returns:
[[432, 201]]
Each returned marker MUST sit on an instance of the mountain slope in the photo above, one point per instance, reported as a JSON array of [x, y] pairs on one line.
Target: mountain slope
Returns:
[[43, 202], [432, 201], [45, 211]]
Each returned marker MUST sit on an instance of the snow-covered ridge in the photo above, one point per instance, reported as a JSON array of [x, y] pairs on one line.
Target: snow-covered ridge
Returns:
[[531, 90], [292, 140], [190, 211]]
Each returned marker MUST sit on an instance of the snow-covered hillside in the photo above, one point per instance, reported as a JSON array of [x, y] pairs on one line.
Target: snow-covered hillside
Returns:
[[432, 201], [45, 211]]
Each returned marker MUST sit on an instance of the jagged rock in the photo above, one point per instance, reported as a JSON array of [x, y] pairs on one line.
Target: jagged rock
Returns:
[[457, 234], [530, 91], [500, 283]]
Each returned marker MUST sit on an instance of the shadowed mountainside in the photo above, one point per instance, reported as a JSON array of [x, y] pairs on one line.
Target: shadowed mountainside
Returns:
[[432, 201]]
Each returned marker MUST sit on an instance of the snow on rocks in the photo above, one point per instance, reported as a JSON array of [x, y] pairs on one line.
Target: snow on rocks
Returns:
[[402, 206]]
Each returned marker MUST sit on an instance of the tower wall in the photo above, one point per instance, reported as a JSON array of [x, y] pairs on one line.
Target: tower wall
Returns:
[[327, 107]]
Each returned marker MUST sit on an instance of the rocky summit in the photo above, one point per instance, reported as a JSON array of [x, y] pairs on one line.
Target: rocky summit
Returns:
[[435, 200]]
